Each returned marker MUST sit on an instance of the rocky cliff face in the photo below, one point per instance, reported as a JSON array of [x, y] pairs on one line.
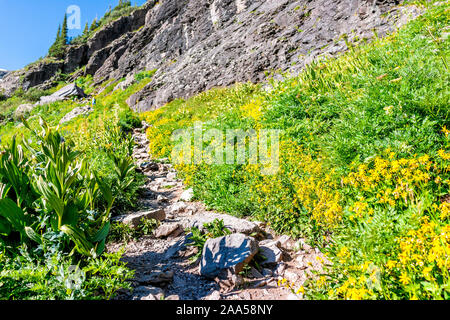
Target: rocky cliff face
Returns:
[[197, 45], [2, 73]]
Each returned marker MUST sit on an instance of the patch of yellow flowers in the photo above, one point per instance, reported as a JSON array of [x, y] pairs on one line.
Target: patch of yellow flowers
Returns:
[[314, 188]]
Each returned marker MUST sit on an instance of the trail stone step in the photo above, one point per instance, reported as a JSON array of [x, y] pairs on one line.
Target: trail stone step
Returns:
[[236, 225], [166, 230], [134, 220]]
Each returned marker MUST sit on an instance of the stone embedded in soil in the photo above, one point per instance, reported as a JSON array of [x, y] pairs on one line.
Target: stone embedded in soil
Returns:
[[272, 254], [135, 219], [267, 272], [157, 278], [234, 224], [255, 274], [214, 296], [176, 208], [162, 199], [292, 277], [187, 195], [300, 263], [180, 245], [172, 176], [166, 230], [279, 271], [229, 252], [147, 293], [286, 242]]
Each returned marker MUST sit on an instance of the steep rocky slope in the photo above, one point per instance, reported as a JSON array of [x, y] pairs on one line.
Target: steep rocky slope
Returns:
[[197, 45]]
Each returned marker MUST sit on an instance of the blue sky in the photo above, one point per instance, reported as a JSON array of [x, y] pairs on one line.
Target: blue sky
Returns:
[[28, 27]]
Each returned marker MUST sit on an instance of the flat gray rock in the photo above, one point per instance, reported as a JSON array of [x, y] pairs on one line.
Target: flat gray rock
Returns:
[[229, 252], [76, 112], [71, 90], [166, 230], [236, 225], [134, 220], [187, 195]]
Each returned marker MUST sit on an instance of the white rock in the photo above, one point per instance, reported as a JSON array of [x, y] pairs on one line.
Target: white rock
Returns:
[[172, 176], [215, 296], [147, 293], [272, 254], [161, 199], [187, 195]]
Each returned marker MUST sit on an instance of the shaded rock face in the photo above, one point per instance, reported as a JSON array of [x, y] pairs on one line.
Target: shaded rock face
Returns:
[[196, 45], [93, 54], [229, 252], [3, 73]]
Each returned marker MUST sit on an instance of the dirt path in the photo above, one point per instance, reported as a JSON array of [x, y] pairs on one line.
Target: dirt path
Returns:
[[163, 265]]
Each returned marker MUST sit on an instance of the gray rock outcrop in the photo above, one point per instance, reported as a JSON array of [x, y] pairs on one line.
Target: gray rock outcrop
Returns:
[[69, 91], [201, 44]]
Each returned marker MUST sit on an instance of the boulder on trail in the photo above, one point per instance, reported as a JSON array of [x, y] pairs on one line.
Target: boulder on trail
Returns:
[[229, 252]]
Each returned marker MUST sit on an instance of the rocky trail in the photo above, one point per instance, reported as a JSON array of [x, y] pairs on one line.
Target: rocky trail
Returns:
[[162, 262]]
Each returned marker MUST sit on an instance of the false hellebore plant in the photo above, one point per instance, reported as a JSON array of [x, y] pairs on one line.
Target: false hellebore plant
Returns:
[[52, 190]]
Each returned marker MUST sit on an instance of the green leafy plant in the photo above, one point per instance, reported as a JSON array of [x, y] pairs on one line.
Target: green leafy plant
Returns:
[[215, 229], [121, 232], [53, 190]]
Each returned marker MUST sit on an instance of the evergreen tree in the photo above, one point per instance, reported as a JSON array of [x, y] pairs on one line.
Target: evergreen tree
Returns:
[[94, 25], [56, 50], [58, 35], [64, 32], [86, 29]]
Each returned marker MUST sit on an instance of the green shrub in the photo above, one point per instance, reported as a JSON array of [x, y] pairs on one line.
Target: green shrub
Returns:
[[144, 75], [26, 277]]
